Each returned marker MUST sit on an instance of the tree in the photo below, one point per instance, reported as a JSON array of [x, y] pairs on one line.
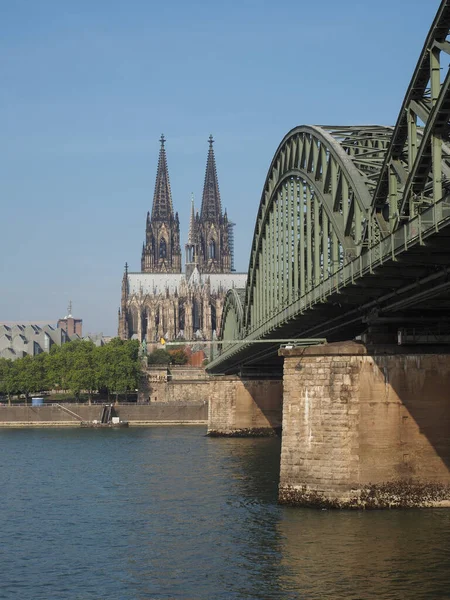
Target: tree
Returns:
[[78, 366], [119, 367], [8, 383], [179, 356], [82, 375], [159, 357], [30, 375], [58, 365]]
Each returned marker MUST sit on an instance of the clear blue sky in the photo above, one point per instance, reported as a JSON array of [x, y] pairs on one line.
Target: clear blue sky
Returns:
[[87, 88]]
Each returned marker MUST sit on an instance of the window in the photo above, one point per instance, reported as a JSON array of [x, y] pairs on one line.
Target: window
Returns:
[[162, 248]]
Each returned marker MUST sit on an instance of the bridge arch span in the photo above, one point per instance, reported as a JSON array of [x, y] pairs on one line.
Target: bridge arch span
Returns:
[[232, 324], [313, 213], [420, 139]]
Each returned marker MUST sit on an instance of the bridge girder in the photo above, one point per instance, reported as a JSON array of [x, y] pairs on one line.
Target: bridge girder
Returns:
[[232, 316], [313, 213], [341, 202], [426, 157]]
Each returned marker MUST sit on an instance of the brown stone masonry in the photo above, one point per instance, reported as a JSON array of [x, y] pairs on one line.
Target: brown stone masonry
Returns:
[[365, 430], [237, 407], [244, 407]]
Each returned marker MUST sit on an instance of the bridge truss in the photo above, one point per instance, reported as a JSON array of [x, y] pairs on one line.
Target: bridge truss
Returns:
[[352, 222]]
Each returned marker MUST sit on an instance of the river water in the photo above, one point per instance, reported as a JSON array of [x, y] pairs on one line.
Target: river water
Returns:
[[166, 512]]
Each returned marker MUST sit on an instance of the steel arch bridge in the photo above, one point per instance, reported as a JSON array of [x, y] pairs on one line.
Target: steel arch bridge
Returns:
[[353, 225]]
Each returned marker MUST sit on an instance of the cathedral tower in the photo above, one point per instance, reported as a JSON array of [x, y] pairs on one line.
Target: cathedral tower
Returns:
[[161, 252], [211, 228], [123, 310]]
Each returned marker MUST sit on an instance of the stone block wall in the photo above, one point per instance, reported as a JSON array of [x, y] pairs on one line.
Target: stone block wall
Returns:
[[244, 407], [237, 406], [174, 384], [365, 430]]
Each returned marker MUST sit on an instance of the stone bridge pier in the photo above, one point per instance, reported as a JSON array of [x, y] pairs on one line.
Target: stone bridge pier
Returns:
[[365, 428], [242, 407]]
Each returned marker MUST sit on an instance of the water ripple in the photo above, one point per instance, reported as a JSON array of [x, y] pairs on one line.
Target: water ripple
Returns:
[[167, 513]]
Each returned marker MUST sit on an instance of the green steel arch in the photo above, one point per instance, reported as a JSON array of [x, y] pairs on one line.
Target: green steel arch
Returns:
[[232, 316], [313, 214], [340, 199], [423, 157]]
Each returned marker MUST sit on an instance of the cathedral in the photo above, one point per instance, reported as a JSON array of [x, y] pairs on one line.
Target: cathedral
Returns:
[[162, 301]]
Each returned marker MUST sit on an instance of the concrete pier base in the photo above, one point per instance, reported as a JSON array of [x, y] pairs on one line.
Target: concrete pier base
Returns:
[[365, 428], [241, 407]]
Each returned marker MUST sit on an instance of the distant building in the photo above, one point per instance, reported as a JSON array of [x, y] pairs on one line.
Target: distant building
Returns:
[[20, 339], [71, 325], [98, 339], [165, 305], [161, 301]]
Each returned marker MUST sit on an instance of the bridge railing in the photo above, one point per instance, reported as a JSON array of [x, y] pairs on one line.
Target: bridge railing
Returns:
[[414, 232]]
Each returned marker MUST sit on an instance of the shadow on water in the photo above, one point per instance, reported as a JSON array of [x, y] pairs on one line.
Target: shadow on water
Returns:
[[392, 555], [315, 554], [225, 543], [251, 468], [254, 465]]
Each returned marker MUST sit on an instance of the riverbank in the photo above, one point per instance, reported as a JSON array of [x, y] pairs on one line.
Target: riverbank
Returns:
[[137, 415]]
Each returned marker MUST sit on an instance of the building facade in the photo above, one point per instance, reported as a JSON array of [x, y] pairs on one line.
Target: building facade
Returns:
[[208, 245], [70, 324], [161, 251], [160, 300], [21, 339]]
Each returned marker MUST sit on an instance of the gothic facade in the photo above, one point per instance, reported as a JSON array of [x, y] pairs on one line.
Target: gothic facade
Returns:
[[161, 251], [208, 240], [160, 300]]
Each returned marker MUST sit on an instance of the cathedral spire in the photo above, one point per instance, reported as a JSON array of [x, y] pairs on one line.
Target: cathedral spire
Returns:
[[191, 247], [161, 252], [162, 200], [191, 233], [213, 253], [211, 206]]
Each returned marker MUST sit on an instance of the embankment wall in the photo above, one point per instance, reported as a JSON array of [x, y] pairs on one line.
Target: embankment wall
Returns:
[[237, 406], [48, 415], [174, 384]]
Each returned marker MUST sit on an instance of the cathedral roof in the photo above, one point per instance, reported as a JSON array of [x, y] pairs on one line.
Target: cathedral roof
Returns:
[[154, 283], [211, 206], [159, 283], [225, 281], [162, 198]]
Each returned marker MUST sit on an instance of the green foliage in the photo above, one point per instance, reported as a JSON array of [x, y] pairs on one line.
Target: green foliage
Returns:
[[8, 379], [178, 357], [119, 367], [76, 366], [159, 357]]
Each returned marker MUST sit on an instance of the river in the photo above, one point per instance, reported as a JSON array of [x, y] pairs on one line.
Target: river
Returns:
[[165, 512]]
